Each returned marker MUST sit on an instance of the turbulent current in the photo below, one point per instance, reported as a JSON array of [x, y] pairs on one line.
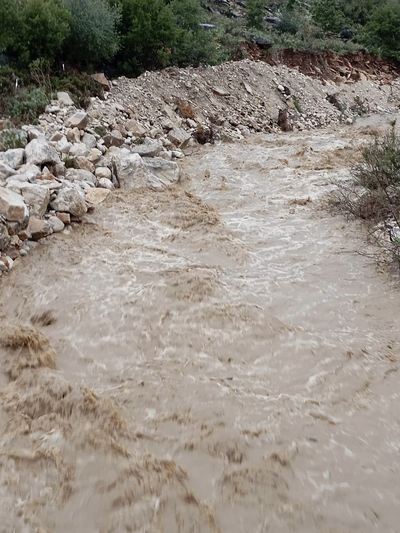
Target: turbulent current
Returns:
[[221, 357]]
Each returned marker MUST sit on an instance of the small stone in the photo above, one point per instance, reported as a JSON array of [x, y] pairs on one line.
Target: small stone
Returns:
[[102, 80], [150, 148], [103, 172], [37, 229], [114, 138], [73, 135], [65, 98], [179, 137], [75, 174], [64, 217], [78, 120], [135, 128], [89, 140], [56, 137], [37, 197], [70, 201], [95, 155], [6, 170], [105, 183], [96, 196], [166, 171], [84, 164], [79, 149], [220, 91], [56, 224]]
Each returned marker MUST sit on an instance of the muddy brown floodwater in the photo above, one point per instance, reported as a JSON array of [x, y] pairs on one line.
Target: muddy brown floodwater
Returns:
[[214, 358]]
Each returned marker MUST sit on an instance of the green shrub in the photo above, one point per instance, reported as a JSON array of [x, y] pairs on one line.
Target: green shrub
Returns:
[[255, 14], [289, 22], [10, 139], [94, 35], [148, 35], [329, 15], [382, 33], [45, 24], [28, 104], [9, 23]]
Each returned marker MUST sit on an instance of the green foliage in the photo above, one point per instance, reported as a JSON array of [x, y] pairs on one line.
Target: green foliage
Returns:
[[148, 34], [382, 33], [329, 15], [9, 139], [9, 22], [289, 22], [380, 168], [27, 105], [33, 28], [156, 34], [94, 34], [255, 14], [45, 26]]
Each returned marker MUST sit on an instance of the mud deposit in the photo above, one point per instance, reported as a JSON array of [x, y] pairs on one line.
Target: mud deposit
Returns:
[[214, 358]]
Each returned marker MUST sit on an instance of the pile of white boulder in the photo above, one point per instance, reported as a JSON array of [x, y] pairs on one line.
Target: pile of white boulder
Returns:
[[64, 168]]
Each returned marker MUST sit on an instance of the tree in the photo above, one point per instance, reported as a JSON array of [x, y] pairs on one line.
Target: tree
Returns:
[[193, 45], [9, 23], [148, 36], [94, 36], [382, 33], [255, 14], [329, 15], [45, 24]]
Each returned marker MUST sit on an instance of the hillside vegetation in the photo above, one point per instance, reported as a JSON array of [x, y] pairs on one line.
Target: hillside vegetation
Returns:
[[46, 44]]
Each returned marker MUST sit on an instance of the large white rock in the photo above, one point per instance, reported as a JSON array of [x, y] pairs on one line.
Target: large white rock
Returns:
[[179, 137], [37, 229], [39, 152], [15, 157], [135, 128], [37, 197], [90, 140], [149, 148], [12, 206], [166, 171], [64, 98], [78, 120], [133, 174], [6, 170], [79, 149], [103, 172], [105, 183], [70, 201], [74, 174]]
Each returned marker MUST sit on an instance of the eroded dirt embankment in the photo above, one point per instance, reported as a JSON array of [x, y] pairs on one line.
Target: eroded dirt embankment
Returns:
[[212, 358]]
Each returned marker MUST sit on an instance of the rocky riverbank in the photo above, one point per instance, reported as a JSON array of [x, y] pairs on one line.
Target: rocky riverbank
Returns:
[[53, 173]]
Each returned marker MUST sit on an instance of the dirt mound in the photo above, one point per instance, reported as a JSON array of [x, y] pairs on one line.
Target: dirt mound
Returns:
[[329, 66]]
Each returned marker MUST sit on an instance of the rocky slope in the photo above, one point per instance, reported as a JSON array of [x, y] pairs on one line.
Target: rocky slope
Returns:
[[133, 138]]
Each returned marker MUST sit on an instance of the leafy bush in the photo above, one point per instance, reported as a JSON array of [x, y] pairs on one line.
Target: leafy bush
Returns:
[[289, 22], [45, 24], [8, 23], [10, 139], [382, 33], [373, 193], [329, 15], [28, 104], [148, 35], [255, 14], [94, 34]]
